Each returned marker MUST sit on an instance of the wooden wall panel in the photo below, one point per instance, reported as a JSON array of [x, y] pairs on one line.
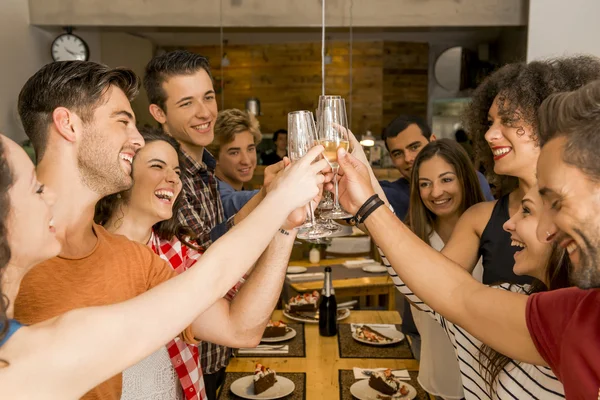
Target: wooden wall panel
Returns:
[[387, 78]]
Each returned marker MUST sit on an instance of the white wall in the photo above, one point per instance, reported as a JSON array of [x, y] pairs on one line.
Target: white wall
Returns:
[[563, 27], [24, 50]]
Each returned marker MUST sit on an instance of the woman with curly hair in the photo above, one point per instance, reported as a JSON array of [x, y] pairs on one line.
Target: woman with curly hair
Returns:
[[502, 122], [56, 354]]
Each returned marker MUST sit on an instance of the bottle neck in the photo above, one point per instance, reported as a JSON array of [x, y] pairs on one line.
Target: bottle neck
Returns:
[[328, 285]]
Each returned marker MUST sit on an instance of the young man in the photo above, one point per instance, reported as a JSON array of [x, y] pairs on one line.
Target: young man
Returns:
[[237, 134], [79, 119], [559, 328], [182, 100], [280, 140]]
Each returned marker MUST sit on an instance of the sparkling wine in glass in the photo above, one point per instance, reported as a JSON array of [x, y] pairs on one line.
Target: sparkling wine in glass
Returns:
[[301, 138], [332, 132]]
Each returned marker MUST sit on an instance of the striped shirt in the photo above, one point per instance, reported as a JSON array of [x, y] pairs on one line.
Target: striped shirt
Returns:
[[518, 380]]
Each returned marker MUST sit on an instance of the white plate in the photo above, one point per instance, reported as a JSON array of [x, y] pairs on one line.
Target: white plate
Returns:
[[344, 315], [374, 268], [362, 391], [290, 334], [296, 270], [244, 387], [393, 334]]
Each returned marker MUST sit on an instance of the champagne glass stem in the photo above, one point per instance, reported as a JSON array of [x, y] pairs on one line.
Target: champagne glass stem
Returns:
[[311, 214], [335, 185]]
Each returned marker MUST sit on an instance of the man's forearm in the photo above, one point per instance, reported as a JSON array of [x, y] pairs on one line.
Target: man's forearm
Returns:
[[250, 205], [252, 307]]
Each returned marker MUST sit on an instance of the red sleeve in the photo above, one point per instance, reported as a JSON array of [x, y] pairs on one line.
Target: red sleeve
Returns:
[[548, 315]]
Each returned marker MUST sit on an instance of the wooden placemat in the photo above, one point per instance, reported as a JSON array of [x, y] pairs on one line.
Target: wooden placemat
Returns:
[[346, 379], [299, 380], [297, 346], [350, 348]]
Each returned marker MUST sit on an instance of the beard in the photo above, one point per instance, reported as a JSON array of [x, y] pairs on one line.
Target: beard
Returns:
[[100, 170], [587, 274]]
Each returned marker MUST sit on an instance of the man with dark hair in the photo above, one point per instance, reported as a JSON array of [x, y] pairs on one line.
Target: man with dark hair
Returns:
[[182, 100], [280, 141], [404, 138], [78, 116]]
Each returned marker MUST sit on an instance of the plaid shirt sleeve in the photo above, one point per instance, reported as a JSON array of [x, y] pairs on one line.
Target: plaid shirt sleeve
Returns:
[[190, 217]]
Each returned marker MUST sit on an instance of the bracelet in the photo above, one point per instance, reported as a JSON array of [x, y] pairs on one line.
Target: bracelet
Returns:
[[370, 211], [366, 209]]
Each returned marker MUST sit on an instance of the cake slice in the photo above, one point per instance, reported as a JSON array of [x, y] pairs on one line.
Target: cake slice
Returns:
[[275, 329], [304, 302], [366, 333], [385, 382], [264, 378]]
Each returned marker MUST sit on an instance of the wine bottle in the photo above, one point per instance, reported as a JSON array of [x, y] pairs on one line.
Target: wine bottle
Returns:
[[328, 307]]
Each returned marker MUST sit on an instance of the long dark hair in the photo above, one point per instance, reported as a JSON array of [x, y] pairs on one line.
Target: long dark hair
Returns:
[[6, 181], [420, 219], [521, 88], [167, 229], [557, 275]]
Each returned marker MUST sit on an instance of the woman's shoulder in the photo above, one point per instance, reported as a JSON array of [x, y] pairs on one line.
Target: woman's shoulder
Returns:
[[478, 215]]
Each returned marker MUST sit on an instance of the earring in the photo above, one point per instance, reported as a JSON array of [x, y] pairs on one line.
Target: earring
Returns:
[[548, 234], [520, 131]]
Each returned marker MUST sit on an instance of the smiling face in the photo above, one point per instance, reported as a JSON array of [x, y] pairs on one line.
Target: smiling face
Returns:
[[237, 159], [533, 256], [571, 214], [191, 109], [439, 187], [30, 224], [157, 183], [405, 147], [108, 144], [514, 150]]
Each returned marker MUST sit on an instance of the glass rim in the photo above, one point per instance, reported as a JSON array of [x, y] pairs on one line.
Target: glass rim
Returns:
[[300, 112]]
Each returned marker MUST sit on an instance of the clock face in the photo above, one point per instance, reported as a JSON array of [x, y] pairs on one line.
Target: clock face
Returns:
[[68, 47]]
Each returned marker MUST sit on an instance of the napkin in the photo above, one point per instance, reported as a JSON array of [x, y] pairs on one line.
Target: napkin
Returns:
[[306, 277], [359, 263], [374, 327], [400, 374], [265, 349]]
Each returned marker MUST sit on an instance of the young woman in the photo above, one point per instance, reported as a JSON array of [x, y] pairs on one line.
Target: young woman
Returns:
[[57, 353], [502, 120], [147, 214], [444, 184]]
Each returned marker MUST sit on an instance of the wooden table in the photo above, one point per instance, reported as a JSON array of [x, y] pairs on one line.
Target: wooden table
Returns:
[[366, 287], [322, 360]]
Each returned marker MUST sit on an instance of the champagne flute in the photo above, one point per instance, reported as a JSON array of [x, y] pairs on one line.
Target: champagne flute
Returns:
[[301, 138], [332, 132]]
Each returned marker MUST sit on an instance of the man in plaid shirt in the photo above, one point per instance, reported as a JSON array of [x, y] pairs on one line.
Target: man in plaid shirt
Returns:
[[182, 99]]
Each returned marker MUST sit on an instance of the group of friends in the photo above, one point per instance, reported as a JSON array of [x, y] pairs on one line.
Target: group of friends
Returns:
[[117, 253]]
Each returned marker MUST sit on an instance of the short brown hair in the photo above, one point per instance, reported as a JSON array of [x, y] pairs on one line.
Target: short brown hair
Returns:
[[231, 122], [576, 117], [174, 63], [76, 85]]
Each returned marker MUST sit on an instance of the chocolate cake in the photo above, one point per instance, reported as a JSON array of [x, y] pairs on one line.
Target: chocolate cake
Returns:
[[275, 329], [304, 302], [385, 382], [264, 378]]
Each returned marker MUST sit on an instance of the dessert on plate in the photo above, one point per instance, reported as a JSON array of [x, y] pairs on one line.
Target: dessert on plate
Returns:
[[304, 302], [264, 378], [387, 384], [275, 329], [366, 333]]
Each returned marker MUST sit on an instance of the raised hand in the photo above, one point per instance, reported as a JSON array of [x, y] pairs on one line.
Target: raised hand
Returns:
[[299, 182], [354, 187]]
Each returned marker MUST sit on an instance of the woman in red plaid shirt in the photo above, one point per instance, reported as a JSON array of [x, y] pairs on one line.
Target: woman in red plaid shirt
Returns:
[[147, 213]]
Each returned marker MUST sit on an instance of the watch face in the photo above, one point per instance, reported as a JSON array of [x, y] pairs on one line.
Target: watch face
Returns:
[[69, 47]]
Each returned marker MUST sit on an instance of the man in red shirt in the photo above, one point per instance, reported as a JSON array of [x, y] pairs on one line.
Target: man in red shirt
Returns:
[[559, 328]]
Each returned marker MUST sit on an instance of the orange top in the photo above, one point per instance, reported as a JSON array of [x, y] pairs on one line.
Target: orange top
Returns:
[[116, 270]]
